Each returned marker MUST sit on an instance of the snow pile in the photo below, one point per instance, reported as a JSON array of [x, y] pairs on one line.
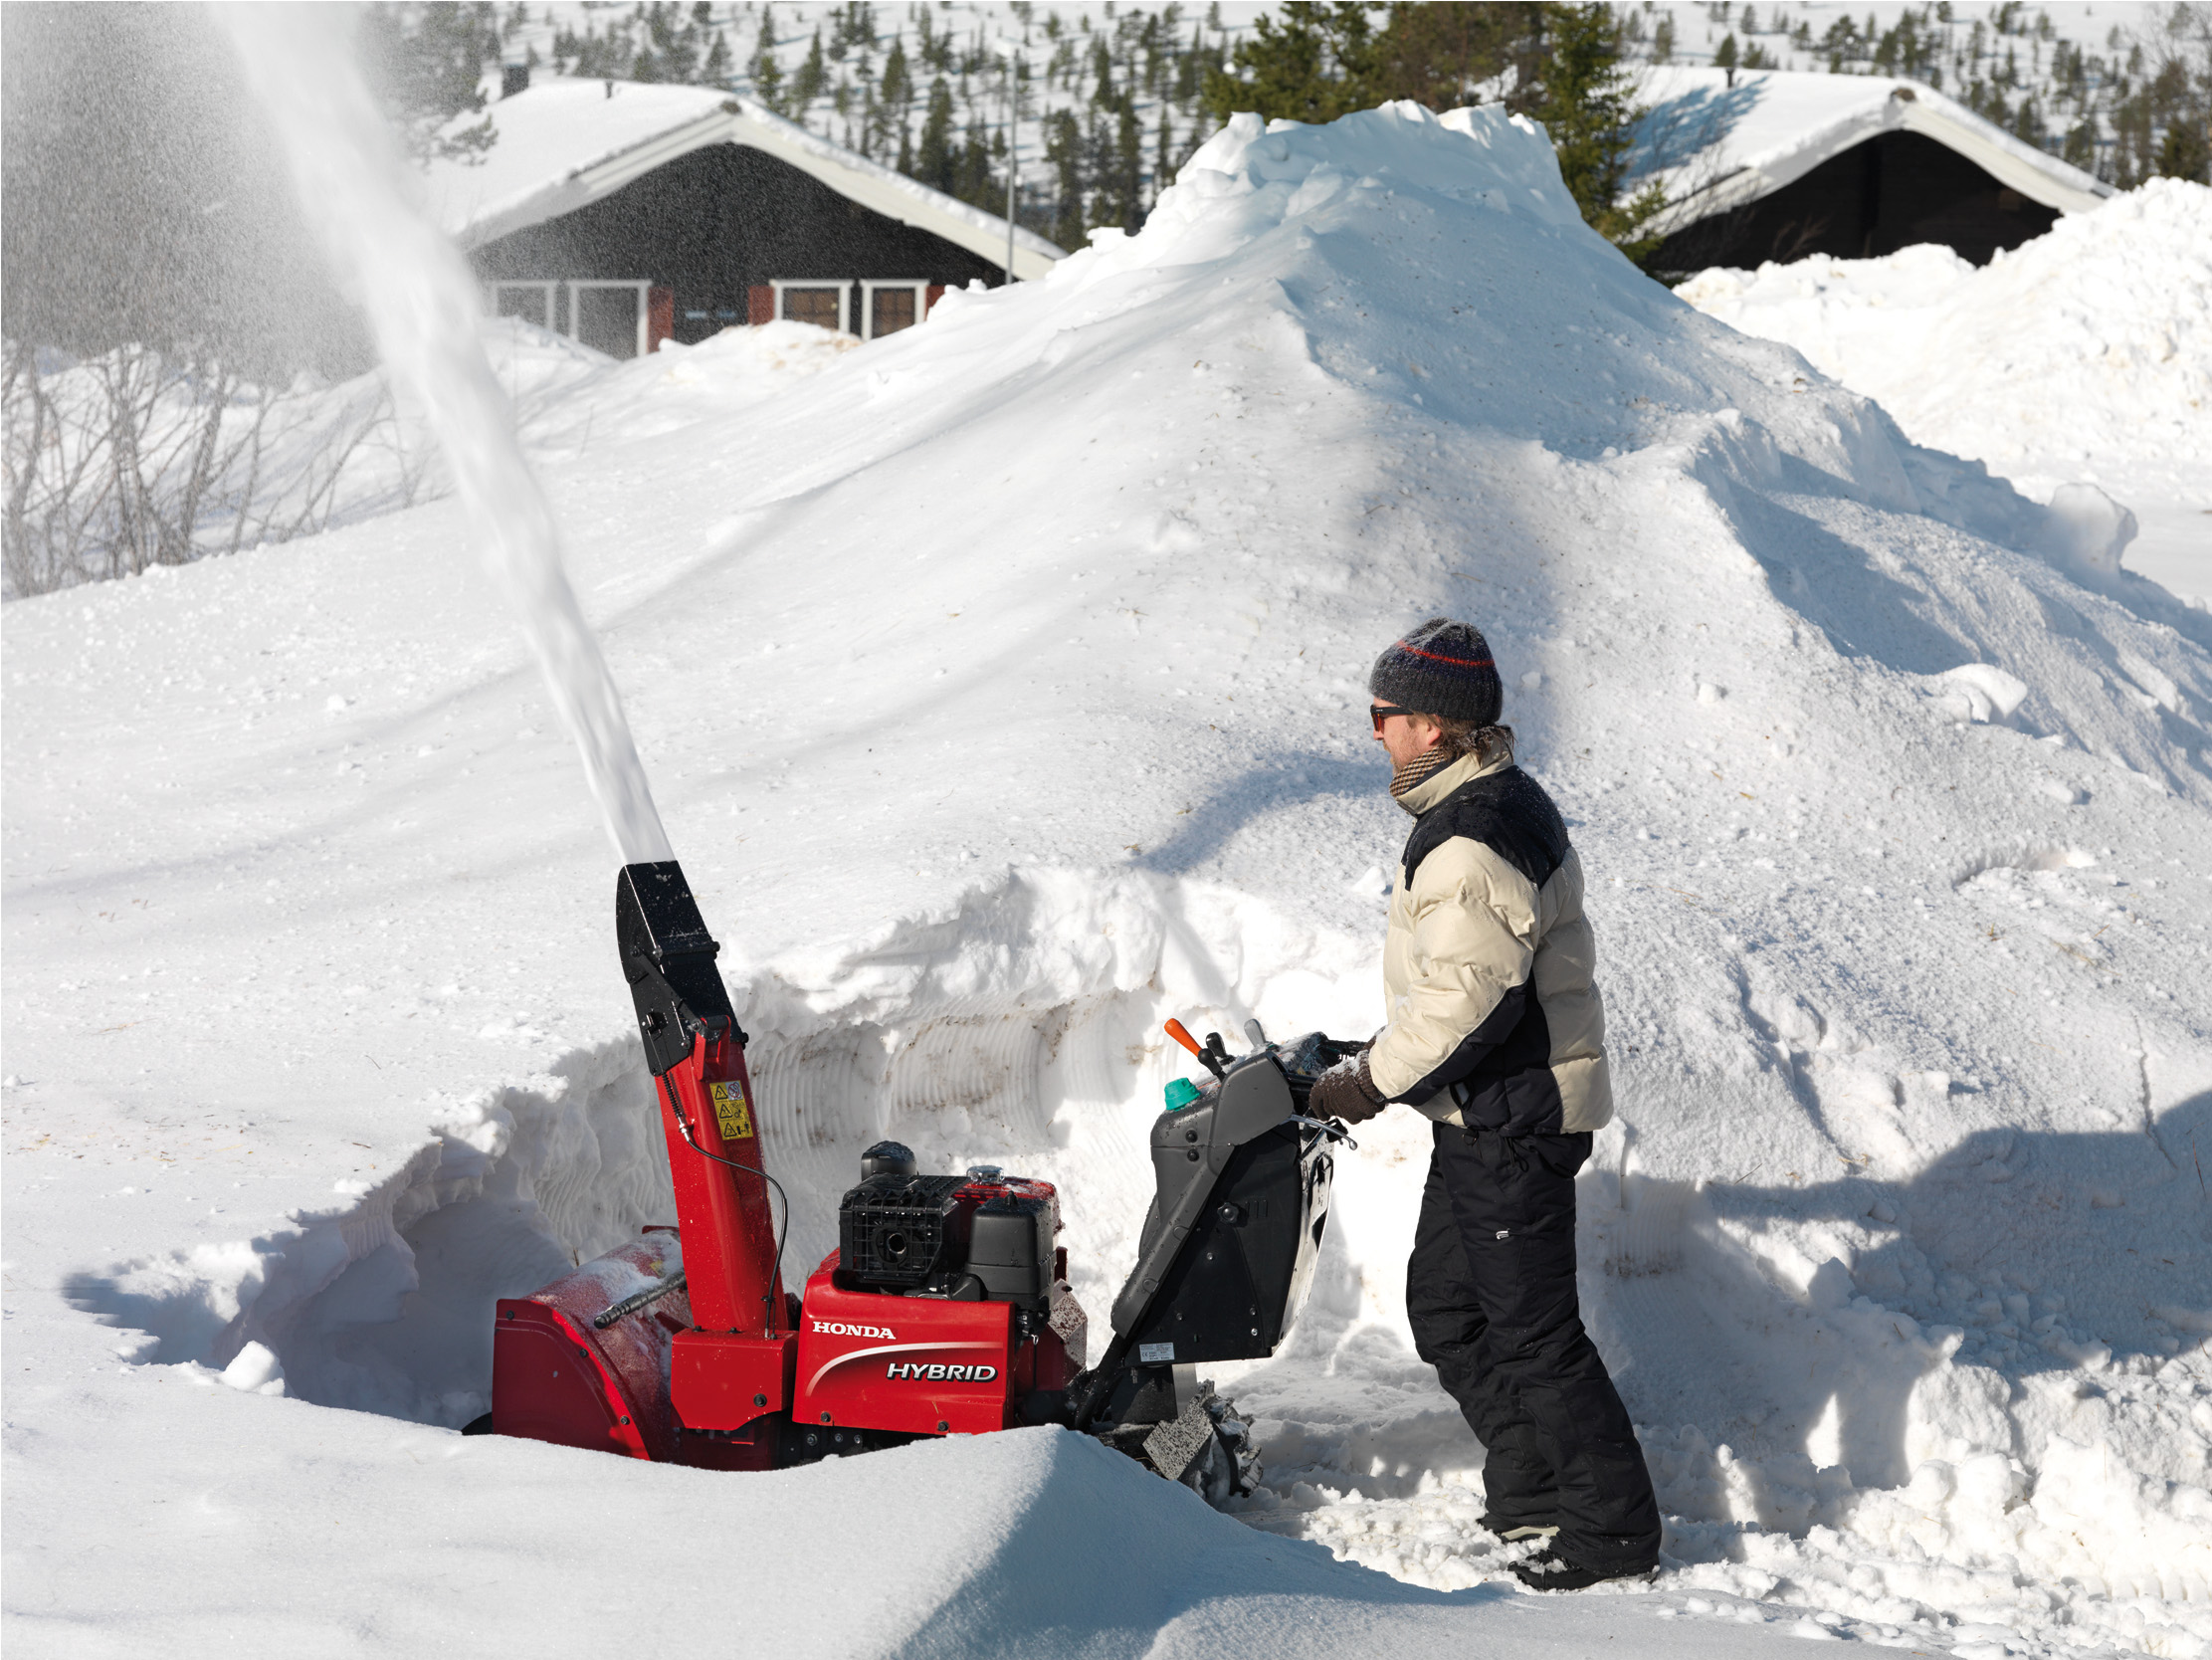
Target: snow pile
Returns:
[[2083, 356], [1004, 695], [562, 411]]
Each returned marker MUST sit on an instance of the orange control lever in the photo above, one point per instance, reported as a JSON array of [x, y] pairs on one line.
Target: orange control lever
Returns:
[[1175, 1030]]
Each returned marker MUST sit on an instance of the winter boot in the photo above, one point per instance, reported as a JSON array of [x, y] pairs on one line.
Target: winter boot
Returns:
[[1548, 1571]]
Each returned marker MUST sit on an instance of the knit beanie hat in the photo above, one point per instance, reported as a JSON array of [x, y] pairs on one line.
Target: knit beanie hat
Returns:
[[1442, 668]]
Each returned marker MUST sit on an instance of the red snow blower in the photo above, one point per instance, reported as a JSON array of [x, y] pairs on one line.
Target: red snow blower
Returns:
[[946, 1308]]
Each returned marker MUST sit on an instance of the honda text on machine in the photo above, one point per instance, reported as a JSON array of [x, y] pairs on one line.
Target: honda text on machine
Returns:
[[946, 1308]]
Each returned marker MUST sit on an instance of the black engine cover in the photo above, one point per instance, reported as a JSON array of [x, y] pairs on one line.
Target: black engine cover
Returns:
[[973, 1237]]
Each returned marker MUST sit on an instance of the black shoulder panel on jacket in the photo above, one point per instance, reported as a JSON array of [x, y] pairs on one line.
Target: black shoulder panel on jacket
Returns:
[[1507, 812]]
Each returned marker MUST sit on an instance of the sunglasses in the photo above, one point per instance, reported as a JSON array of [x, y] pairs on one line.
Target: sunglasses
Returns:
[[1383, 712]]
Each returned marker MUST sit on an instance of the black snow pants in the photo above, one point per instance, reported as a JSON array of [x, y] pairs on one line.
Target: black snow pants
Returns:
[[1491, 1293]]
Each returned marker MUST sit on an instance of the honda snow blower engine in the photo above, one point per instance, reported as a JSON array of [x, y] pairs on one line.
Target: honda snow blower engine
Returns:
[[946, 1308]]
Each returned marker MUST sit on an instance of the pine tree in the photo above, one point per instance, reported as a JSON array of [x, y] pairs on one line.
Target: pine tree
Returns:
[[1098, 172], [674, 42], [933, 159], [2184, 153], [972, 174], [811, 82], [2080, 145], [1064, 155], [766, 77], [1588, 111], [1128, 163], [1440, 55], [423, 63], [1190, 69], [1313, 64], [898, 86]]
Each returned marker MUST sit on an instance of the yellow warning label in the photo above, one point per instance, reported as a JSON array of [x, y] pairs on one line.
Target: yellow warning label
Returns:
[[730, 1111]]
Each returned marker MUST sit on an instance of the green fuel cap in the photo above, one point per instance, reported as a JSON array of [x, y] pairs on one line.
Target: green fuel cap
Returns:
[[1180, 1094]]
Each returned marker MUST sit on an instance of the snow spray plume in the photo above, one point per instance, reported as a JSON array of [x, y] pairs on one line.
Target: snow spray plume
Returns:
[[422, 306]]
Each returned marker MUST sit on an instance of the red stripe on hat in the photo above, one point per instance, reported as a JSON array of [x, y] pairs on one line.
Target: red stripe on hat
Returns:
[[1439, 657]]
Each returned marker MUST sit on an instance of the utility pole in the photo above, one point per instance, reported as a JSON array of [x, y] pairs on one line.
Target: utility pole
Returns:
[[1013, 119]]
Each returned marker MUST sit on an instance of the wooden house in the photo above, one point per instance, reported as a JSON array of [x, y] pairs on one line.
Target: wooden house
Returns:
[[1772, 164], [622, 214]]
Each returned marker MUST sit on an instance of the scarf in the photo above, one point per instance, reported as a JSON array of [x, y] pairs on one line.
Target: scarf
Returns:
[[1408, 773]]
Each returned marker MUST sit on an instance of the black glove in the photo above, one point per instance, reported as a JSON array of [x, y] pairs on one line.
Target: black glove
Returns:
[[1346, 1092]]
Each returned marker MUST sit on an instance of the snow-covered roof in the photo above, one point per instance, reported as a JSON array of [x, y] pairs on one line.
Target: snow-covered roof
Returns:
[[564, 144], [1716, 146]]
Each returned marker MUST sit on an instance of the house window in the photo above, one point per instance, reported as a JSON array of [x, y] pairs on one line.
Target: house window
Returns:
[[536, 304], [889, 310], [819, 303], [620, 318], [609, 317], [887, 307]]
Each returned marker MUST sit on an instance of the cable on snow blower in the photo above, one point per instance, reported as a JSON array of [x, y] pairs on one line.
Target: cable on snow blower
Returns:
[[946, 1308]]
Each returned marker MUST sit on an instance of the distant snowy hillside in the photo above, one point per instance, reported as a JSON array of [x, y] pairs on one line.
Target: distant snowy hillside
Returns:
[[1112, 98], [1002, 686], [1112, 95], [2084, 355]]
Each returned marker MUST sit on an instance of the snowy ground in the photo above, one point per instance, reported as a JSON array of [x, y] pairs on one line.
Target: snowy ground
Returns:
[[321, 456], [1003, 695], [2083, 356]]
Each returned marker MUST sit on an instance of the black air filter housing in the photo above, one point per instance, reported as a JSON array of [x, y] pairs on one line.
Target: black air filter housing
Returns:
[[1010, 1248], [896, 1231]]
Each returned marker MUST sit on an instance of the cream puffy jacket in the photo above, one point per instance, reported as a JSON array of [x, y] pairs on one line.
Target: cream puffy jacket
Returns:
[[1490, 963]]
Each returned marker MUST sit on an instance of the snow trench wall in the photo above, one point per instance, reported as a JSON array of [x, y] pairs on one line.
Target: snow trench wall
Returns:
[[1021, 1028]]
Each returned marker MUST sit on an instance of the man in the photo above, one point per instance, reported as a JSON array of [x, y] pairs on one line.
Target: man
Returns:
[[1497, 1034]]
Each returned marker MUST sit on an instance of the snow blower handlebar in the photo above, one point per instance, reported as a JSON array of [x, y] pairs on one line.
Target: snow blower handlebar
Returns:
[[1242, 1176]]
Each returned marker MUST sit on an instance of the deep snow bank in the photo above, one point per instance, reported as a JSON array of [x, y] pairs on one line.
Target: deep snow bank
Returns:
[[1005, 694], [2084, 357]]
